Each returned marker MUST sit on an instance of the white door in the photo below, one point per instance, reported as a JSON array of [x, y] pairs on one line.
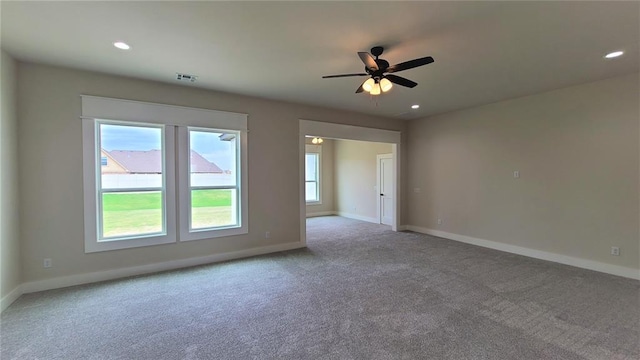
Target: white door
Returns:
[[385, 181]]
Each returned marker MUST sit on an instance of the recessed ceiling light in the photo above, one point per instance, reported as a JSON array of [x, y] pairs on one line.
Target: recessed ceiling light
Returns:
[[614, 54], [415, 106], [121, 45]]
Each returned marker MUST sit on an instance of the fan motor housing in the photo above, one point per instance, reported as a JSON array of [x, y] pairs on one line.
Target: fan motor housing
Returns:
[[382, 67]]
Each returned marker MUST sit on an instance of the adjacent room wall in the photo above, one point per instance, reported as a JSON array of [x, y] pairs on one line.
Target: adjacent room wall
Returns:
[[50, 154], [578, 156], [326, 181], [355, 178], [10, 276]]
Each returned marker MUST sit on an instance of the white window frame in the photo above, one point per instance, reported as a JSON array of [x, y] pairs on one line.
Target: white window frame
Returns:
[[173, 119], [316, 150]]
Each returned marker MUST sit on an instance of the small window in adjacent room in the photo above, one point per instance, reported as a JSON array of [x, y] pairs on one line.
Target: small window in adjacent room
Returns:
[[312, 177]]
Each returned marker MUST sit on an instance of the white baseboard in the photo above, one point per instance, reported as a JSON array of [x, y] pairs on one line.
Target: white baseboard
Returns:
[[320, 213], [357, 217], [538, 254], [87, 278], [10, 297]]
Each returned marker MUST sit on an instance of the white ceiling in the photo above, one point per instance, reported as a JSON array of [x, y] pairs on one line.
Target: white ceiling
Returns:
[[484, 51]]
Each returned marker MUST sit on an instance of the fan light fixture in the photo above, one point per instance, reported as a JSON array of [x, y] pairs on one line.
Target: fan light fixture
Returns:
[[375, 90], [317, 141], [374, 87], [385, 85], [368, 85]]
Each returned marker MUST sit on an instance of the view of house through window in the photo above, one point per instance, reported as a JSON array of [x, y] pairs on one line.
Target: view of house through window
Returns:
[[312, 177], [213, 179], [131, 182], [131, 190]]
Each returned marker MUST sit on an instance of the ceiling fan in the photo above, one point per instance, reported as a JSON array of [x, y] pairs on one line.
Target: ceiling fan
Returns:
[[379, 72]]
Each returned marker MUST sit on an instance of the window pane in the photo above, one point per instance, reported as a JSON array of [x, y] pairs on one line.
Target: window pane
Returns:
[[212, 158], [131, 213], [312, 191], [131, 156], [213, 208], [311, 167]]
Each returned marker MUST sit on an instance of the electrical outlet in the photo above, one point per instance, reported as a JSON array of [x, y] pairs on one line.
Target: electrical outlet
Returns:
[[615, 251], [46, 263], [516, 174], [439, 221], [267, 234]]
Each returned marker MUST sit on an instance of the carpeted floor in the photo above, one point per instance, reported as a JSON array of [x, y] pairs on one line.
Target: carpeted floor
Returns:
[[360, 291]]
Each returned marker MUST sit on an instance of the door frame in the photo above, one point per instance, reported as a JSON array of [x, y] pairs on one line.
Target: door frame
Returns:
[[348, 132], [378, 176]]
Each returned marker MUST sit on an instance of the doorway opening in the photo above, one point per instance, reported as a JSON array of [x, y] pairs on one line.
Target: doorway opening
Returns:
[[362, 167]]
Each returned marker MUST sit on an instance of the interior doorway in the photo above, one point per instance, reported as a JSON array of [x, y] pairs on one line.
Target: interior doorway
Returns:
[[386, 213]]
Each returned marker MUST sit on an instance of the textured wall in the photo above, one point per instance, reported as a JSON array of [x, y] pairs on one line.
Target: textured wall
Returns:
[[577, 152]]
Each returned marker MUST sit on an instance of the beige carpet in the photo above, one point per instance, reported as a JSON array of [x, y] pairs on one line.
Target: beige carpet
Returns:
[[360, 291]]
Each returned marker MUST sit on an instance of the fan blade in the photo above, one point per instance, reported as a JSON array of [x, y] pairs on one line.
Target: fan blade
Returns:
[[410, 64], [360, 89], [343, 75], [401, 81], [368, 61]]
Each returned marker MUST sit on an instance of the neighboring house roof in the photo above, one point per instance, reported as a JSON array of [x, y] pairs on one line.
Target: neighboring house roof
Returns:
[[201, 165], [150, 162]]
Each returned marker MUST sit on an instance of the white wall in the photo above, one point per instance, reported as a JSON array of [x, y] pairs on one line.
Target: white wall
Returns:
[[577, 150], [326, 181], [355, 193], [10, 274], [51, 148]]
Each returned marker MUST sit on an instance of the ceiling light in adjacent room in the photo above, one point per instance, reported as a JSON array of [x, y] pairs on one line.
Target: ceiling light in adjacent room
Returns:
[[614, 54], [121, 45], [317, 141], [415, 106]]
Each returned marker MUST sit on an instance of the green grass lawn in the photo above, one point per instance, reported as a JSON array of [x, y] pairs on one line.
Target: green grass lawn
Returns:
[[141, 213]]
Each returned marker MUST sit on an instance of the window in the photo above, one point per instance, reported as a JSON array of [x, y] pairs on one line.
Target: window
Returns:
[[312, 174], [130, 174], [131, 199], [209, 166]]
